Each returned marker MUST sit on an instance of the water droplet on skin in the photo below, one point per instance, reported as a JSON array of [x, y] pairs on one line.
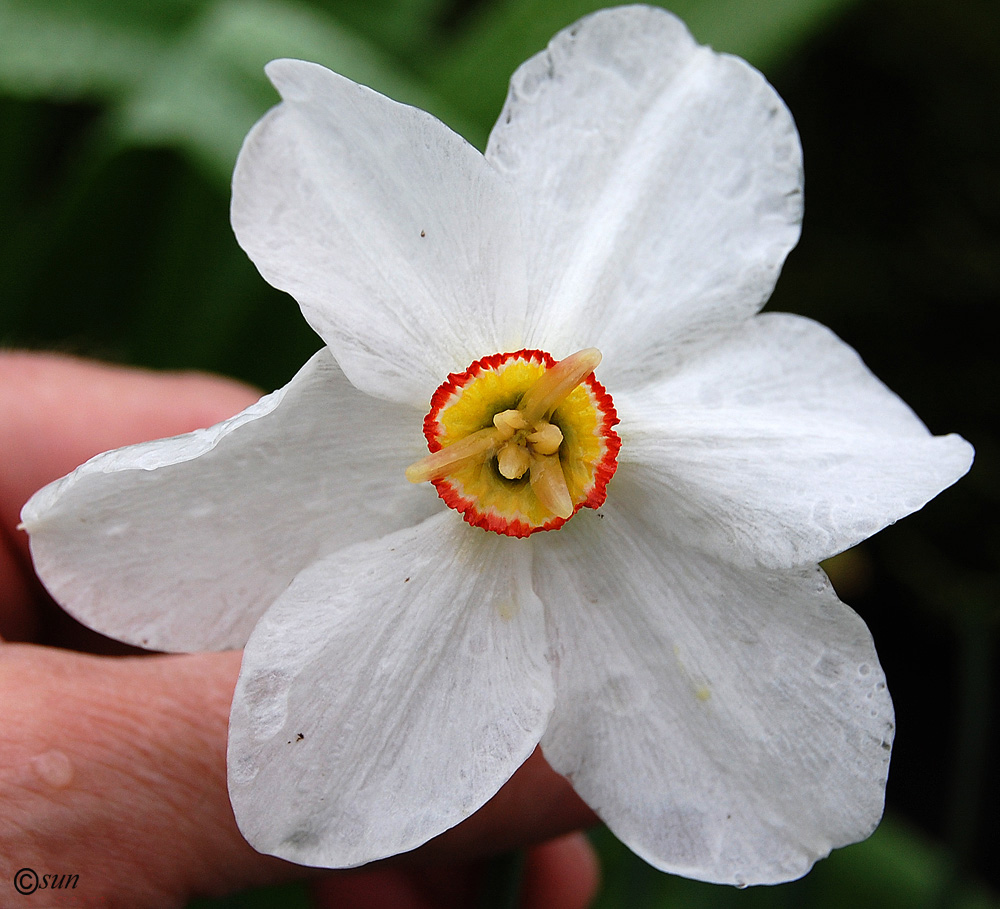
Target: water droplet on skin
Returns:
[[54, 768]]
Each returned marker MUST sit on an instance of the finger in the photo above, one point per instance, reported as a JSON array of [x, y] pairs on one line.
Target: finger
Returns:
[[56, 412], [563, 873], [518, 815], [560, 874], [117, 773], [382, 887]]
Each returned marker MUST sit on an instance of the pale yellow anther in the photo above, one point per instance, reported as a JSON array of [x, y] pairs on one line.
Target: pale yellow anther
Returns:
[[509, 422], [513, 460], [475, 447], [546, 439], [556, 383], [549, 483]]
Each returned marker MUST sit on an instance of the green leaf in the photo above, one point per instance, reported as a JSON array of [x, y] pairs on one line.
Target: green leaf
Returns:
[[474, 72], [406, 28], [765, 34], [896, 868], [71, 51], [207, 91], [186, 75]]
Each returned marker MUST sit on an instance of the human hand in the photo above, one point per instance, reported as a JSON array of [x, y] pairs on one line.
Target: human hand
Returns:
[[112, 762]]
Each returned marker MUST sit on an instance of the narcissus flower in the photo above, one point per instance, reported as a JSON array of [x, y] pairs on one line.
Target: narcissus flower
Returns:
[[552, 479]]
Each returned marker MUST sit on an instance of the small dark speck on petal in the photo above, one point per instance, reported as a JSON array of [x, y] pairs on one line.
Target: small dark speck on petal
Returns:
[[299, 736], [423, 233]]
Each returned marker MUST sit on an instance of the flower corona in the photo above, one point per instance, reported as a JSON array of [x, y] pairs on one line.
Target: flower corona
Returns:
[[520, 442]]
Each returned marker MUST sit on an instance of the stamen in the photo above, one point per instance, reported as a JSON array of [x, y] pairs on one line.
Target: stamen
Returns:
[[546, 438], [509, 422], [513, 461], [474, 447], [556, 383], [548, 482]]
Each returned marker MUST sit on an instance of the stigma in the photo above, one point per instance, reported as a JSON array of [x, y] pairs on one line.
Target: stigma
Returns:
[[520, 442]]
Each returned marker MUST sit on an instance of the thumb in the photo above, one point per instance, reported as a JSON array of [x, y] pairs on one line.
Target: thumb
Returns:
[[55, 413], [117, 774]]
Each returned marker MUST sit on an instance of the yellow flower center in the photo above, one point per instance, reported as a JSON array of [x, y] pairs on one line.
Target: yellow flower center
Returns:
[[520, 442]]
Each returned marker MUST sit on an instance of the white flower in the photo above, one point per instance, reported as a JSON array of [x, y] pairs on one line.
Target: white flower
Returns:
[[678, 654]]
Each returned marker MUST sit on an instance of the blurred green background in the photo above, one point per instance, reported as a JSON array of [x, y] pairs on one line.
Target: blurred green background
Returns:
[[120, 126]]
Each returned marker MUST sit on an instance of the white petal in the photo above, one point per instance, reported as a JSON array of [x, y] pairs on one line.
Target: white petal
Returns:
[[662, 185], [182, 543], [397, 239], [728, 725], [388, 694], [777, 447]]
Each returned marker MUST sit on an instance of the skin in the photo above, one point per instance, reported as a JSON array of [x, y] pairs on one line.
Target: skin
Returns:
[[112, 762]]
